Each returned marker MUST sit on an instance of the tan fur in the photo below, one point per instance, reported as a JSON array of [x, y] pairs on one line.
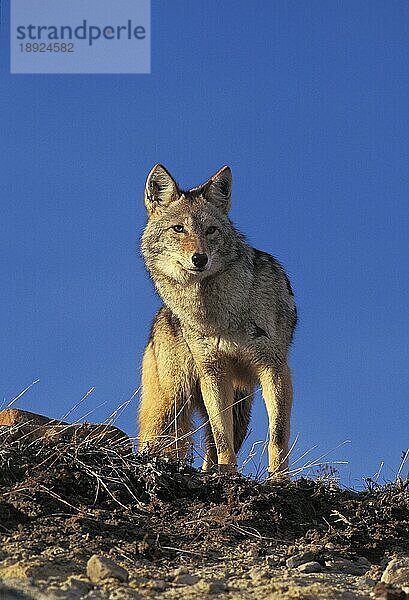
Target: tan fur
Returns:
[[224, 327]]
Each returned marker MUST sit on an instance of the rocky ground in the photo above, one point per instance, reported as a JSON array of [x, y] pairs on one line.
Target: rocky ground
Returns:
[[82, 519]]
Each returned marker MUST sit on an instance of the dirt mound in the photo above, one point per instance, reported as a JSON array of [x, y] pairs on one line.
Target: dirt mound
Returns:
[[86, 497]]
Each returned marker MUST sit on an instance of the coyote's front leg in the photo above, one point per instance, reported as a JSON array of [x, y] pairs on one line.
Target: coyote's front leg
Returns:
[[278, 395], [218, 398]]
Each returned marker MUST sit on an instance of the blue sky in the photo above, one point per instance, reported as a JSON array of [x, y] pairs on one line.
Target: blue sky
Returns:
[[308, 103]]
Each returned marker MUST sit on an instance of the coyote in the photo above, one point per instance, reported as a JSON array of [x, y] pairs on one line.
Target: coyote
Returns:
[[227, 323]]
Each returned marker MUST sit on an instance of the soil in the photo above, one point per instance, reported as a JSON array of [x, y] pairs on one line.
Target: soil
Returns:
[[180, 533]]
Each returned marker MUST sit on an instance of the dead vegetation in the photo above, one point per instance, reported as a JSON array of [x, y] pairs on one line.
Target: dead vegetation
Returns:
[[94, 498]]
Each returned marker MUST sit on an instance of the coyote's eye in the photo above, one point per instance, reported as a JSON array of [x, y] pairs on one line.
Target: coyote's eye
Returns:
[[178, 228], [211, 229]]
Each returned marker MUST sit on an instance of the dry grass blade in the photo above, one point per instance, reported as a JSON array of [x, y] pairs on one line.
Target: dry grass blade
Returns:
[[21, 393], [71, 410]]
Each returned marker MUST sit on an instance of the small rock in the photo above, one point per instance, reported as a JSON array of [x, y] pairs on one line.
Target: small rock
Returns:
[[298, 559], [387, 591], [159, 585], [271, 561], [364, 581], [79, 586], [364, 561], [100, 568], [123, 594], [256, 574], [342, 565], [141, 581], [214, 586], [314, 548], [397, 573], [186, 579], [310, 567]]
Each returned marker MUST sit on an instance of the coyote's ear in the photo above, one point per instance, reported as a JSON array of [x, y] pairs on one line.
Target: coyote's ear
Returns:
[[218, 189], [160, 189]]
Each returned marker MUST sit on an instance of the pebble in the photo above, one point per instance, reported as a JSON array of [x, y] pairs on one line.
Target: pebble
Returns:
[[214, 586], [387, 591], [314, 548], [271, 561], [124, 594], [364, 581], [100, 568], [159, 585], [186, 579], [343, 565], [256, 574], [76, 585], [397, 573], [310, 567], [298, 559]]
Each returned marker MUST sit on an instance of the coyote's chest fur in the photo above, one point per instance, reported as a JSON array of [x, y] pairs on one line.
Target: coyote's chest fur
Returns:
[[217, 307], [227, 322]]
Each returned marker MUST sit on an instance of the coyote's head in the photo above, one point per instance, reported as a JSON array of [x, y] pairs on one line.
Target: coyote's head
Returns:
[[188, 236]]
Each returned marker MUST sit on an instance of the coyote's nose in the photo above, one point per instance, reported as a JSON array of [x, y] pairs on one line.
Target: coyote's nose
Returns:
[[199, 260]]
